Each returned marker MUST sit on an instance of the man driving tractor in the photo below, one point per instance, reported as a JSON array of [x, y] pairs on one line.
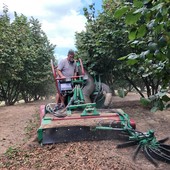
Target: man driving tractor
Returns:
[[66, 68]]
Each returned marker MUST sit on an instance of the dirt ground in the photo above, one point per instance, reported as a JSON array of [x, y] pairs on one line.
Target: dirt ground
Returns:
[[20, 150]]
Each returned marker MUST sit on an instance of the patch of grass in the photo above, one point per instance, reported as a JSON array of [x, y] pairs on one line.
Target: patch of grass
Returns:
[[14, 157], [31, 126], [12, 152]]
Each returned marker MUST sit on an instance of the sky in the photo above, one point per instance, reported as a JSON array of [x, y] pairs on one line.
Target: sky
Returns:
[[60, 19]]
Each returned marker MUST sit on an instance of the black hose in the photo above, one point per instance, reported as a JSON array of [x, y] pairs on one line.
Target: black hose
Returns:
[[157, 154], [137, 151], [163, 140], [127, 144], [148, 156]]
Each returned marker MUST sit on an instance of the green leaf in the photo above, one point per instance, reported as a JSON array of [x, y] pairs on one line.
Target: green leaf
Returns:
[[161, 94], [122, 58], [146, 1], [137, 3], [120, 12], [144, 54], [139, 10], [146, 74], [151, 24], [132, 18], [122, 93], [161, 105], [154, 109], [135, 42], [157, 7], [162, 42], [166, 98], [152, 46], [145, 102], [141, 31], [167, 106], [132, 62], [132, 35], [132, 56]]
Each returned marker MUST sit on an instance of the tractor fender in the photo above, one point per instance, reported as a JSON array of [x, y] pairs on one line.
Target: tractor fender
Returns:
[[107, 93], [104, 96], [88, 88]]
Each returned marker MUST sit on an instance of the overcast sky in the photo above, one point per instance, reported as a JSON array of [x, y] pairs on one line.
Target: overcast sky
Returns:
[[60, 19]]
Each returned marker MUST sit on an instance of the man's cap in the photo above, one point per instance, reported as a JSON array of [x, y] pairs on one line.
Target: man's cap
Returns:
[[71, 52]]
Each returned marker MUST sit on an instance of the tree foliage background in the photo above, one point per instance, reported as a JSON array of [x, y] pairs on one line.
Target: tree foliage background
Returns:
[[128, 43], [25, 54]]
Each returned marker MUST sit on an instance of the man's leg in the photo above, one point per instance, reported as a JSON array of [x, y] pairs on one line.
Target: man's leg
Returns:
[[59, 98]]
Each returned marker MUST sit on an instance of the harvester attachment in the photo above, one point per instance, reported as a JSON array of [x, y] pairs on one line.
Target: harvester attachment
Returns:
[[152, 148], [80, 127]]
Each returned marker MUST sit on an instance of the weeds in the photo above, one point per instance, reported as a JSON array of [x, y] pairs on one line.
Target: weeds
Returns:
[[32, 126], [12, 152]]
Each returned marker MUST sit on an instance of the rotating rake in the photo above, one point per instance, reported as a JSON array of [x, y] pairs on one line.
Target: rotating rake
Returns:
[[152, 148]]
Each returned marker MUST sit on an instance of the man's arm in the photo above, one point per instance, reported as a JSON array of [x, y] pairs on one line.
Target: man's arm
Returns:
[[60, 74], [59, 68], [75, 70]]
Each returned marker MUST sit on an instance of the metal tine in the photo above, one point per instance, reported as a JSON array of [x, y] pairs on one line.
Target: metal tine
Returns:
[[124, 134], [163, 140], [166, 151], [164, 154], [124, 137], [155, 153], [148, 156], [127, 144], [137, 151], [165, 146], [167, 155]]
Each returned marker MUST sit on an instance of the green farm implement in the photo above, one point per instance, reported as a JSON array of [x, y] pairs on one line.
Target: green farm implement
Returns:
[[84, 119]]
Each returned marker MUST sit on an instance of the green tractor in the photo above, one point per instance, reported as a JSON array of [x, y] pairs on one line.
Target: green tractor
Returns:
[[81, 118], [85, 118]]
